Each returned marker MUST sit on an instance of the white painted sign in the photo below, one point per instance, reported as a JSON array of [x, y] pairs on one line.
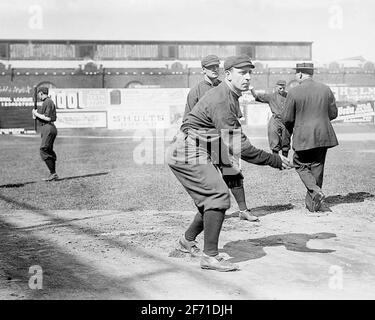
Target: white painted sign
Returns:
[[81, 120], [151, 117]]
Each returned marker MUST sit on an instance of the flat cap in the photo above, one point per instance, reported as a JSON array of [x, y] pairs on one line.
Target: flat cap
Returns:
[[281, 83], [43, 89], [210, 60], [238, 62]]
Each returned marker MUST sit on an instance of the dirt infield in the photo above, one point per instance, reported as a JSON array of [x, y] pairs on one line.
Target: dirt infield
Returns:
[[127, 255], [108, 228]]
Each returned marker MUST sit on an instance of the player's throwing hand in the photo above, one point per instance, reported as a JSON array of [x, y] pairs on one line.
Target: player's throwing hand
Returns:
[[286, 164]]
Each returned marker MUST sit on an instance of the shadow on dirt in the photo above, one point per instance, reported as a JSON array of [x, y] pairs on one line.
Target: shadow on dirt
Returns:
[[243, 250], [349, 198], [264, 210], [22, 184], [66, 275]]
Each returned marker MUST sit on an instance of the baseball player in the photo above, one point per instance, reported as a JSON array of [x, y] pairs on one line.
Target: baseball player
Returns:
[[278, 136], [210, 67], [46, 116], [209, 129]]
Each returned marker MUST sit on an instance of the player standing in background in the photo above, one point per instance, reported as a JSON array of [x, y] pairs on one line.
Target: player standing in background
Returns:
[[309, 109], [46, 115], [278, 136], [214, 122], [210, 67]]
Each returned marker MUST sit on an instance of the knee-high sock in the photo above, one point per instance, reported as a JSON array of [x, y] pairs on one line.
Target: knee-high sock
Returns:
[[195, 227], [239, 195], [212, 221], [51, 165]]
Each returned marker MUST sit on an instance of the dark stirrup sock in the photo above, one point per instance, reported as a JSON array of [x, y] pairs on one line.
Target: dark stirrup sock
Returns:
[[212, 221], [51, 165], [239, 195], [195, 227]]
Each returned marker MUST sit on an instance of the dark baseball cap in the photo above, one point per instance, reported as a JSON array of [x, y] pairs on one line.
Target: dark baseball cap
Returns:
[[210, 60], [238, 62], [43, 89]]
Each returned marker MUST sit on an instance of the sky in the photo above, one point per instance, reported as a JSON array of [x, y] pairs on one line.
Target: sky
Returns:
[[338, 28]]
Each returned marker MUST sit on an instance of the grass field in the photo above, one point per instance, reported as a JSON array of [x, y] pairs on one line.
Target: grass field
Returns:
[[100, 173]]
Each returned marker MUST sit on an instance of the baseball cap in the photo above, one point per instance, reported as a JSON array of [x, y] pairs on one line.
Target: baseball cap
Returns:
[[43, 89], [238, 62], [210, 60]]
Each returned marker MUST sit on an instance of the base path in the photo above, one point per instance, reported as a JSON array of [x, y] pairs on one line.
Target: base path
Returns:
[[87, 254]]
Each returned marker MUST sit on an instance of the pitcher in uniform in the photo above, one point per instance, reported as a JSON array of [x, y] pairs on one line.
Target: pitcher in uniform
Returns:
[[211, 134], [210, 68]]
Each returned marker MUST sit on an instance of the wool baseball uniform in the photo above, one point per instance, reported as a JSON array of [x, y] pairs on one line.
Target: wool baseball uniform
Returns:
[[213, 117], [278, 136]]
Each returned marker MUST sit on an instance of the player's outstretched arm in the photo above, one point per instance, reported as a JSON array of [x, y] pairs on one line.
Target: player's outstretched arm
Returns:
[[286, 163], [251, 154]]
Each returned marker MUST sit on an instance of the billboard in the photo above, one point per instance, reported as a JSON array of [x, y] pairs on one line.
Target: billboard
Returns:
[[82, 119], [350, 93], [16, 103], [133, 108], [355, 112]]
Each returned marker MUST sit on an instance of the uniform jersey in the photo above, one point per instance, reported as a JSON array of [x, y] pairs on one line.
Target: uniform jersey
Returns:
[[48, 109], [196, 93], [218, 112], [275, 100]]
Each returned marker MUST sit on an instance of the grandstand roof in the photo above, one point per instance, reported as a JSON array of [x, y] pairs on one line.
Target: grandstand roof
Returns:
[[337, 28]]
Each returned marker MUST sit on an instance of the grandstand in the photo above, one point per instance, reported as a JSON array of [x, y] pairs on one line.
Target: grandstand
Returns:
[[126, 64], [149, 64], [165, 64]]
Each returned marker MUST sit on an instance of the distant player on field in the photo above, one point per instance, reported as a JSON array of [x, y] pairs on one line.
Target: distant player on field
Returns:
[[210, 68], [278, 136], [46, 115]]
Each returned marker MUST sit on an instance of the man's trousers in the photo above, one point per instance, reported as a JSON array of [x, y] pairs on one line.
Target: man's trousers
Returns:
[[278, 135], [309, 165]]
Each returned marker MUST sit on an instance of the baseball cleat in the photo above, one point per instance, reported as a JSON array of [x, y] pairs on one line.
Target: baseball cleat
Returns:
[[317, 201], [217, 263], [51, 177], [246, 215], [324, 207], [189, 247]]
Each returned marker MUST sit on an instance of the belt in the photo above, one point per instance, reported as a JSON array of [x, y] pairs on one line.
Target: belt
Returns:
[[44, 123]]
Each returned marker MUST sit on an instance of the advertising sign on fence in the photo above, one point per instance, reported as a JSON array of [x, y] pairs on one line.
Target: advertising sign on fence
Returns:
[[355, 112], [78, 99], [144, 108], [81, 119], [138, 118], [349, 93], [16, 103]]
